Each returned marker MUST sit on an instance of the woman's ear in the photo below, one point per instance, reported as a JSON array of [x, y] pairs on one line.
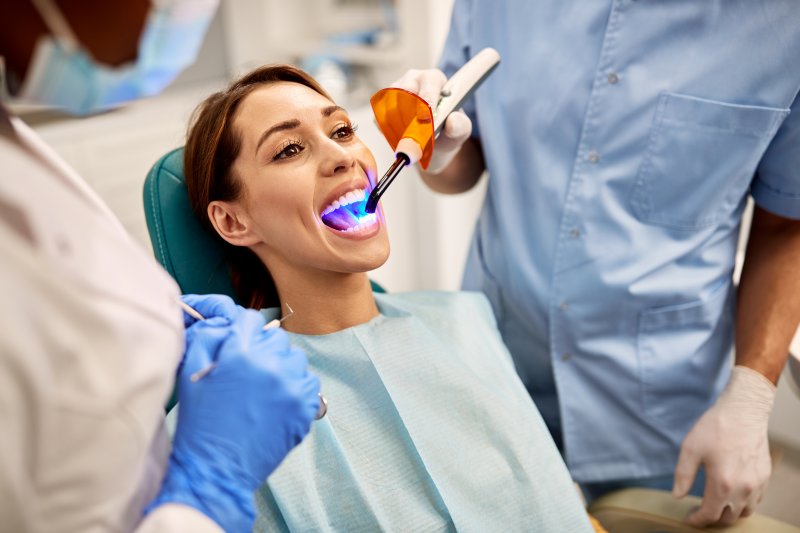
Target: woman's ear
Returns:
[[231, 223]]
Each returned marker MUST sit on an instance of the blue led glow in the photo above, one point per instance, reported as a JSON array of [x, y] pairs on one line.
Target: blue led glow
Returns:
[[359, 210]]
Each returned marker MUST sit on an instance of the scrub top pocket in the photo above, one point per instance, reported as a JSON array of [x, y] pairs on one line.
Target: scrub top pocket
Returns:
[[684, 344], [701, 156]]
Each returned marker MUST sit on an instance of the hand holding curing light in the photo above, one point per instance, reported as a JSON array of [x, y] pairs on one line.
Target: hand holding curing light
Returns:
[[410, 125]]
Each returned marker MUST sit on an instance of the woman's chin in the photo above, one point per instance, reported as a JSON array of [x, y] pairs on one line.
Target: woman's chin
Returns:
[[368, 246], [367, 256], [369, 260]]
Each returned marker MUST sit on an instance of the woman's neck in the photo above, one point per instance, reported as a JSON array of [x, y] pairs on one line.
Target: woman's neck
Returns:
[[325, 302]]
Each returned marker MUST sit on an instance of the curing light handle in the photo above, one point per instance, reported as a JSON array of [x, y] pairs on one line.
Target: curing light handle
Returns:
[[374, 197], [462, 84]]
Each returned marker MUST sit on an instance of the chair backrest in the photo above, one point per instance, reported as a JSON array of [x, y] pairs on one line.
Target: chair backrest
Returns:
[[187, 250], [196, 258]]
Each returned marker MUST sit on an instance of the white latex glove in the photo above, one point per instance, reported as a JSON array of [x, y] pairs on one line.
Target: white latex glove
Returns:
[[730, 439], [457, 128]]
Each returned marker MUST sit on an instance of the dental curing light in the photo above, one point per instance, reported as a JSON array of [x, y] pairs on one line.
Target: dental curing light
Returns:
[[409, 124]]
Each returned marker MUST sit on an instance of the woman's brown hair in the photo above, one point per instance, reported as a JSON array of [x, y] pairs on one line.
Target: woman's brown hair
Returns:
[[212, 146]]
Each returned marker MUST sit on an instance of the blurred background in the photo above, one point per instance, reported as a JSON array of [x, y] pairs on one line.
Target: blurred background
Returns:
[[353, 47]]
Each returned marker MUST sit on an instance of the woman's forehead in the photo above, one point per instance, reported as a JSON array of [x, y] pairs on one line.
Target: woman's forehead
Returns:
[[283, 100]]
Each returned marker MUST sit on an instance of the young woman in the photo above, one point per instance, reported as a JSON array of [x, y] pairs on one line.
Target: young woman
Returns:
[[429, 427]]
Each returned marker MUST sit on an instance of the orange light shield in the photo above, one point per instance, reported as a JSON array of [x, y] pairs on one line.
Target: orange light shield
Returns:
[[400, 113]]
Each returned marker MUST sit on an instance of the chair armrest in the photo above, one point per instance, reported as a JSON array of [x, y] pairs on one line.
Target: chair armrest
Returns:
[[647, 510]]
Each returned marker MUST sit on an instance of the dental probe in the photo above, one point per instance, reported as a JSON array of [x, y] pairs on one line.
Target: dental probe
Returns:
[[458, 88], [274, 323], [203, 372]]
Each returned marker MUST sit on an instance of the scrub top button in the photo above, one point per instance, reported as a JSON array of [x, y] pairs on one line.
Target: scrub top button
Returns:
[[566, 357], [564, 305], [593, 157], [575, 233], [613, 78]]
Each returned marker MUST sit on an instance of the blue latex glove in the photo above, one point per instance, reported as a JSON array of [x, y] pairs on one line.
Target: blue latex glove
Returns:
[[210, 306], [237, 423]]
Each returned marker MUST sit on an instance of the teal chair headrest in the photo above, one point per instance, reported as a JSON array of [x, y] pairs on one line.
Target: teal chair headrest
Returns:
[[194, 257], [187, 250]]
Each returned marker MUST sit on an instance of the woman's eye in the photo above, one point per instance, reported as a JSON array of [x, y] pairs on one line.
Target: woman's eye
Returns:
[[345, 132], [289, 150]]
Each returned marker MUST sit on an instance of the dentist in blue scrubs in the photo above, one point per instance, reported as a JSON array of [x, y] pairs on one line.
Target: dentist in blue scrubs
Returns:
[[622, 139], [91, 335]]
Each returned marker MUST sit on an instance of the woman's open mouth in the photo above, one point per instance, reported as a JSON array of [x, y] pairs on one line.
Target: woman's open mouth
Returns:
[[347, 214]]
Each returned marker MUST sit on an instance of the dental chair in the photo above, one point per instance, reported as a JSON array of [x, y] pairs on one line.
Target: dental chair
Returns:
[[198, 262], [656, 511]]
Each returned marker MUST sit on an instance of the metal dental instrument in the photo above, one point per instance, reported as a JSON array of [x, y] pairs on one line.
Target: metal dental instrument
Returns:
[[200, 374], [397, 111], [189, 310], [274, 323]]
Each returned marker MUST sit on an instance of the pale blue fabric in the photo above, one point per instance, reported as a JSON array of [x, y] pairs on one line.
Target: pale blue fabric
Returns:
[[428, 429], [622, 138]]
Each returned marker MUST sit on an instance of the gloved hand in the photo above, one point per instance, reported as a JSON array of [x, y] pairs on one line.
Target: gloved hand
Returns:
[[457, 128], [730, 439], [210, 305], [236, 424]]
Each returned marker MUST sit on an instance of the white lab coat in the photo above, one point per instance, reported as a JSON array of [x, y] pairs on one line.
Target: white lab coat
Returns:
[[90, 337]]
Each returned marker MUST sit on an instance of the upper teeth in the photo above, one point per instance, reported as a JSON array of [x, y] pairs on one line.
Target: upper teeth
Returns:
[[348, 198]]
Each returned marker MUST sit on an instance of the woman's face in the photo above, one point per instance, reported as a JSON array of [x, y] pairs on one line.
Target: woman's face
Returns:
[[306, 177]]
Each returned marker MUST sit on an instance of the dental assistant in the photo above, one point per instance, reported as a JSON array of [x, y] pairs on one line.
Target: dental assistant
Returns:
[[91, 333], [622, 139]]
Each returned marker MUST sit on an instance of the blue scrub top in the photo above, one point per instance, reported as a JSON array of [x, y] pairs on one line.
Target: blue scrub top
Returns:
[[622, 139]]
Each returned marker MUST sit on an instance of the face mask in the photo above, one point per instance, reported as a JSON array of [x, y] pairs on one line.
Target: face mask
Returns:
[[63, 75]]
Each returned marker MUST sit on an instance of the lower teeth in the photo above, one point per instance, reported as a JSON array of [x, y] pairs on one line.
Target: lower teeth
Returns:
[[363, 224], [341, 221]]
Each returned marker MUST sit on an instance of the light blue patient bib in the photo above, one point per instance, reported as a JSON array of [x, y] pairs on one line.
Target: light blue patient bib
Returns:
[[428, 429]]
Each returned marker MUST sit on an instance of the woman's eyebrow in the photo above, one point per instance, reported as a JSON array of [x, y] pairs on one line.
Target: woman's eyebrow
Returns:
[[330, 110], [280, 126], [294, 123]]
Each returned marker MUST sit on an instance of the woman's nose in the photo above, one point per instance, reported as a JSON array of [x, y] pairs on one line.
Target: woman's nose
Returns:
[[336, 158]]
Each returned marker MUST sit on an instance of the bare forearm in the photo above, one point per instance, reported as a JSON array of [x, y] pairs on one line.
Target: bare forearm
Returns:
[[461, 174], [769, 294]]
